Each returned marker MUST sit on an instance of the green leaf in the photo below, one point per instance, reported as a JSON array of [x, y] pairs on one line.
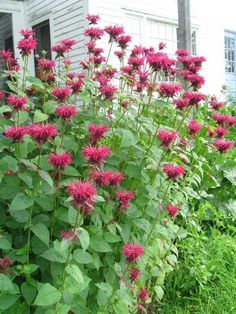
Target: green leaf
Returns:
[[128, 139], [5, 243], [49, 106], [99, 244], [5, 283], [23, 117], [21, 201], [159, 292], [35, 81], [104, 292], [7, 301], [230, 174], [142, 224], [5, 108], [82, 257], [84, 238], [39, 116], [47, 295], [75, 272], [8, 163], [26, 177], [29, 292], [133, 171], [71, 171], [41, 231], [111, 237], [46, 177]]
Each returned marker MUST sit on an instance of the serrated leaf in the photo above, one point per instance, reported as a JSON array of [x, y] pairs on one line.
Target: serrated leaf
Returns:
[[82, 257], [46, 177], [21, 201], [84, 238], [75, 273], [41, 231], [99, 244], [128, 139], [39, 116], [47, 295]]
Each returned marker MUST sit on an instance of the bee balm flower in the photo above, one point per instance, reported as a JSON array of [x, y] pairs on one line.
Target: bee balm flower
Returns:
[[96, 155], [132, 251], [60, 161], [16, 133], [83, 194], [174, 171]]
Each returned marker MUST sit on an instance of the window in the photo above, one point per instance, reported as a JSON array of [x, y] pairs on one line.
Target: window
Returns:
[[133, 28], [149, 32], [161, 32], [229, 54], [8, 44]]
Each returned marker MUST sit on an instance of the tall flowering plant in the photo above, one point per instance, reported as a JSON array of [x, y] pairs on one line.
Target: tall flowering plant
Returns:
[[98, 171]]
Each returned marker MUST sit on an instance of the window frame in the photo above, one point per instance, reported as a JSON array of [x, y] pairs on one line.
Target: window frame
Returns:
[[144, 18]]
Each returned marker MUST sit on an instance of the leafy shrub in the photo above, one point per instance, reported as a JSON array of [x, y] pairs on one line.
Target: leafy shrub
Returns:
[[94, 196]]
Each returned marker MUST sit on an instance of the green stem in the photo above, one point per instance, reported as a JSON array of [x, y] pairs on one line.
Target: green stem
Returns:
[[109, 52], [77, 222], [155, 221], [29, 238]]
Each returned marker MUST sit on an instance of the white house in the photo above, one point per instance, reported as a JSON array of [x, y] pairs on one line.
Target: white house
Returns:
[[213, 26]]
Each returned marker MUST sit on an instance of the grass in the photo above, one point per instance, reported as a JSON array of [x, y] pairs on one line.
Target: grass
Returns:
[[205, 281]]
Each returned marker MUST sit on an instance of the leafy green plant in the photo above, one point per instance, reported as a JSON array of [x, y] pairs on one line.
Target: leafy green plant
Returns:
[[94, 197]]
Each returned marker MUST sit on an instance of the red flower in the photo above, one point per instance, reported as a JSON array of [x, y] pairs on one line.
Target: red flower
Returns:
[[27, 33], [124, 198], [181, 52], [220, 118], [108, 91], [169, 89], [61, 93], [107, 178], [68, 43], [96, 155], [66, 112], [76, 86], [174, 171], [181, 103], [194, 127], [27, 45], [221, 132], [94, 33], [231, 120], [160, 61], [6, 55], [211, 132], [172, 210], [136, 62], [123, 41], [2, 95], [166, 137], [60, 50], [132, 251], [18, 103], [120, 54], [16, 133], [143, 295], [83, 194], [194, 98], [223, 145], [93, 19], [5, 262], [97, 132], [60, 161], [114, 31], [196, 80], [134, 274], [46, 65], [13, 65], [216, 104], [69, 235], [42, 132], [161, 46]]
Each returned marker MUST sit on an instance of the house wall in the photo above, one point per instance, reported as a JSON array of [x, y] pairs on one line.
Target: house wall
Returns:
[[210, 18], [66, 21]]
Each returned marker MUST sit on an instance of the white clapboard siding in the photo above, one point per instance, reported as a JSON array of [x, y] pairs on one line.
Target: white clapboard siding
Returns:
[[67, 21], [5, 32]]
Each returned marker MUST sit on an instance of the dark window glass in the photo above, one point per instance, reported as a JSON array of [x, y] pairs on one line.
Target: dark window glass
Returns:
[[42, 34], [8, 44]]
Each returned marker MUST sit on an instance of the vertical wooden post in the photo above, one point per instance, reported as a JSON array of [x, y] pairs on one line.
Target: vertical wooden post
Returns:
[[184, 28]]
